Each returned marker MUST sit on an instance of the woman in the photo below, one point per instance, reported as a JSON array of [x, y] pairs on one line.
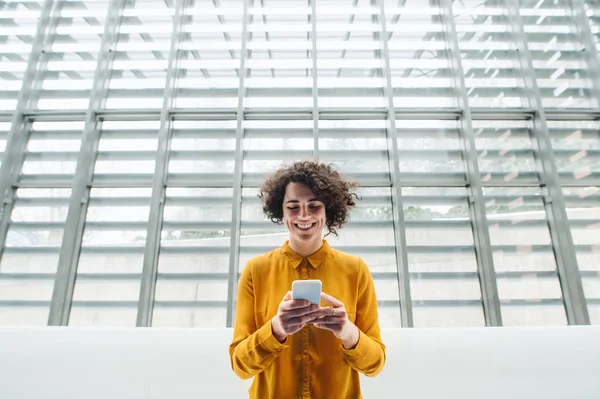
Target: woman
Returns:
[[292, 348]]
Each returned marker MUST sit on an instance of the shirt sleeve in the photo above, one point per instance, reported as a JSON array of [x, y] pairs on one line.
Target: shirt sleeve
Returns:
[[252, 349], [368, 357]]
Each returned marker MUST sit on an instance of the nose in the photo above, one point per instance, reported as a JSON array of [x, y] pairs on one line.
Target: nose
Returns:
[[303, 214]]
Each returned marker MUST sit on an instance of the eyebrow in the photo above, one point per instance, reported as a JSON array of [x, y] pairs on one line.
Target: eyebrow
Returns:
[[297, 202]]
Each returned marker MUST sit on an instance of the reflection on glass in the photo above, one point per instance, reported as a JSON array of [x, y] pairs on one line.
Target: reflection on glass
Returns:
[[559, 61], [504, 151], [576, 147], [487, 50]]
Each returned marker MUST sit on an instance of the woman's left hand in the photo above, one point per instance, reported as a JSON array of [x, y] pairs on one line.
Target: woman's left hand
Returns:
[[337, 322]]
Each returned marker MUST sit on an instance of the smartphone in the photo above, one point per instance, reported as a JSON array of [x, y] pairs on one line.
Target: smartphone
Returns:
[[309, 290]]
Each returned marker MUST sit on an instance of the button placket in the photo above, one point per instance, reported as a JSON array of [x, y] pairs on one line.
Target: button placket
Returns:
[[304, 346]]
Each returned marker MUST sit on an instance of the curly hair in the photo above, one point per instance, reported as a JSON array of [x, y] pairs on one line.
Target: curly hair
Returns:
[[325, 182]]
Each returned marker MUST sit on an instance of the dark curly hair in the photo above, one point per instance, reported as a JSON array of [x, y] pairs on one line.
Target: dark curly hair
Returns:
[[325, 182]]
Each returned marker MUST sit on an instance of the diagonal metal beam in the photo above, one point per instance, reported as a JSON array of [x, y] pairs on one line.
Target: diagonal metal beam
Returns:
[[236, 211], [20, 125], [564, 250], [483, 247], [157, 204], [66, 273], [406, 313]]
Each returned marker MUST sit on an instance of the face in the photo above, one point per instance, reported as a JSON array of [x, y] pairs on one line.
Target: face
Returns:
[[303, 214]]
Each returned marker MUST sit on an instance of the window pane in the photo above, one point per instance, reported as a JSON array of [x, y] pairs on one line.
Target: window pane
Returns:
[[202, 152], [488, 54], [20, 19], [528, 285], [208, 68], [428, 148], [127, 148], [108, 279], [558, 58], [444, 282], [583, 210], [576, 148], [348, 64], [70, 63], [142, 56], [505, 152], [420, 69]]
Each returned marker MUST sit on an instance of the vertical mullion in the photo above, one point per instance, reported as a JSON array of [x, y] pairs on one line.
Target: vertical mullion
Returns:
[[157, 204], [564, 250], [236, 211], [406, 313], [315, 88], [593, 62], [481, 234], [17, 138], [66, 272]]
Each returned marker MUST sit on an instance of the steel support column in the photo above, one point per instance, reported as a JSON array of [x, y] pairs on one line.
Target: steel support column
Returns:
[[564, 251], [236, 209], [66, 273], [159, 184], [406, 313], [481, 234]]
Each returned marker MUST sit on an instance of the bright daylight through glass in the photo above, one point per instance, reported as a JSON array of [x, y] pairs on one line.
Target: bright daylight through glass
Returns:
[[134, 135]]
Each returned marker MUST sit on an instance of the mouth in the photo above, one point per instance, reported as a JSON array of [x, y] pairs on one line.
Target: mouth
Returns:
[[305, 226]]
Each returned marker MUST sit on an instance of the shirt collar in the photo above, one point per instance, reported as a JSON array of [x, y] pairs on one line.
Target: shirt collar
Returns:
[[315, 259]]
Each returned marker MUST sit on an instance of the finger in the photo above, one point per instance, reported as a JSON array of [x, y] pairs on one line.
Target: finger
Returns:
[[321, 312], [294, 304], [294, 328], [301, 320], [330, 327], [331, 300], [328, 320], [287, 296], [294, 313]]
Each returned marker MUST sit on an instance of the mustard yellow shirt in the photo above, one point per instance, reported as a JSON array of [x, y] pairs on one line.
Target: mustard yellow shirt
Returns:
[[311, 363]]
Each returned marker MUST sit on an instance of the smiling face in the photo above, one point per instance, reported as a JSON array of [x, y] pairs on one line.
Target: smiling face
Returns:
[[304, 217]]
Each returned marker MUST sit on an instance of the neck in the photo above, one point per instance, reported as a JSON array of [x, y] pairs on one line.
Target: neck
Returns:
[[306, 249]]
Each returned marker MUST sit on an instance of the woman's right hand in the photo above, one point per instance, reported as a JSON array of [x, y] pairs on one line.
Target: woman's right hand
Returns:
[[291, 316]]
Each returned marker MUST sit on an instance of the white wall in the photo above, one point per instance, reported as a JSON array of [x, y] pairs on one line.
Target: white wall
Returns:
[[153, 363]]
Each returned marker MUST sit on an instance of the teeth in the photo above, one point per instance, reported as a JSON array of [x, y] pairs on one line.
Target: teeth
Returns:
[[304, 226]]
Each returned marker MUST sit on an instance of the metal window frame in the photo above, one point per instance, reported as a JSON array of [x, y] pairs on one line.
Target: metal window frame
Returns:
[[66, 273], [18, 135], [406, 306], [558, 222], [157, 202], [236, 208], [481, 234]]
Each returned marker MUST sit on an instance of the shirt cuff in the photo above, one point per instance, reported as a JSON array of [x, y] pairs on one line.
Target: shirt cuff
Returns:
[[268, 339], [361, 349]]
